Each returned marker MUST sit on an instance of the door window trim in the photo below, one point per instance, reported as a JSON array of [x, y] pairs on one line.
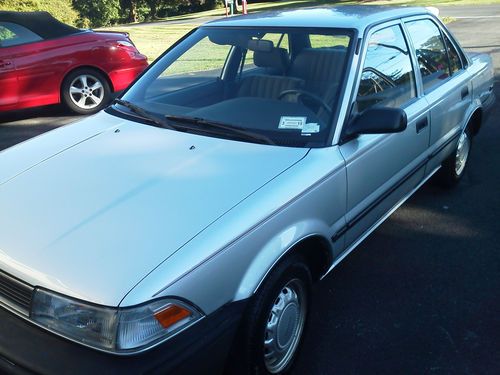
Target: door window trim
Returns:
[[359, 70]]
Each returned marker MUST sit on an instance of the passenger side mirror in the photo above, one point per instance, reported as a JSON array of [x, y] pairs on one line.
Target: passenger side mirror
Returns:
[[377, 121]]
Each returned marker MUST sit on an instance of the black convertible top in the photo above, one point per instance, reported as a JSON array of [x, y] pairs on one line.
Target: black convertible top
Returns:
[[41, 23]]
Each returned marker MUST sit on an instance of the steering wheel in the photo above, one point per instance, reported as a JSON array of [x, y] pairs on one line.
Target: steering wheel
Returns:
[[301, 93]]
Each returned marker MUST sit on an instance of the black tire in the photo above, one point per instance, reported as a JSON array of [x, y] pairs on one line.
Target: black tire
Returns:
[[450, 174], [93, 97], [247, 355]]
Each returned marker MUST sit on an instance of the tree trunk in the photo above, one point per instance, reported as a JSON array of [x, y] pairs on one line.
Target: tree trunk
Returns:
[[153, 9], [132, 16]]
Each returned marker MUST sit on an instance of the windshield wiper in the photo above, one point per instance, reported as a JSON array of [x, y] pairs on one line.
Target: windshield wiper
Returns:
[[226, 128], [158, 121]]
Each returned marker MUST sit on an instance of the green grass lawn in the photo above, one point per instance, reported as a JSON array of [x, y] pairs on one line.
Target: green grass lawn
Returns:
[[153, 39]]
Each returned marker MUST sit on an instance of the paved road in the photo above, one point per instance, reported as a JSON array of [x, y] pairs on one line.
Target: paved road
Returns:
[[421, 294], [471, 11]]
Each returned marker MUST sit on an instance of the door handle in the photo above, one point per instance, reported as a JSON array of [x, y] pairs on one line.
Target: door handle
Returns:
[[4, 64], [421, 124], [464, 93]]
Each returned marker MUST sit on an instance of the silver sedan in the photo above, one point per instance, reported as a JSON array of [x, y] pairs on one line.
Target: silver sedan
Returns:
[[181, 229]]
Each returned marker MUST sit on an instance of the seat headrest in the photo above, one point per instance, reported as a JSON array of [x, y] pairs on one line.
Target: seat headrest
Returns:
[[260, 45], [276, 58]]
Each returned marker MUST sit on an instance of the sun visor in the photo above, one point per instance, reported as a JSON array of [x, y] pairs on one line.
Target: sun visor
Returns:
[[227, 38]]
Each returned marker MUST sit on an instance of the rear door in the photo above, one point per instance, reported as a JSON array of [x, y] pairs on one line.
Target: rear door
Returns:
[[446, 84], [382, 169]]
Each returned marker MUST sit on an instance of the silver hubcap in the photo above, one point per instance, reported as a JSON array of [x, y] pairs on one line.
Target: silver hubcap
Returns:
[[462, 153], [86, 91], [284, 326]]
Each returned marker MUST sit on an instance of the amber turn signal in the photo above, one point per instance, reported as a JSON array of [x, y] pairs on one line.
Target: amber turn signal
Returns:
[[171, 315]]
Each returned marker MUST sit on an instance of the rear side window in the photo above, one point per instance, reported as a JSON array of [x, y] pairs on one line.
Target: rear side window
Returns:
[[12, 34], [387, 79], [431, 53], [329, 41]]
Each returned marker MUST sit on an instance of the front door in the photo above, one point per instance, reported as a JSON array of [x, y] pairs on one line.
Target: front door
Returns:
[[8, 76], [12, 89], [382, 169]]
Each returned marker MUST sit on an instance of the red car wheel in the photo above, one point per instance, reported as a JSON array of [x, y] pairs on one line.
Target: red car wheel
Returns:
[[85, 91]]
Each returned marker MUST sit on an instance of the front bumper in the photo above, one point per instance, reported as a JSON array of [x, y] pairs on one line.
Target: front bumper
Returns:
[[203, 348]]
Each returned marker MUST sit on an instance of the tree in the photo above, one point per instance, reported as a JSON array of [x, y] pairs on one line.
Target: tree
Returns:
[[131, 7], [60, 9], [153, 8], [96, 13]]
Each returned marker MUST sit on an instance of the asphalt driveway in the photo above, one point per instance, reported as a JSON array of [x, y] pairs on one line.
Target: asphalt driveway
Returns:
[[421, 294]]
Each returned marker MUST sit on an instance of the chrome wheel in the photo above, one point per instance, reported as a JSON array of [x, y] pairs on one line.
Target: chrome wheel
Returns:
[[86, 91], [462, 153], [284, 326]]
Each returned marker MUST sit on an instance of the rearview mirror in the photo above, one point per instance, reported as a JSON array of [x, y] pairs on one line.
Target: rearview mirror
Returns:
[[378, 121]]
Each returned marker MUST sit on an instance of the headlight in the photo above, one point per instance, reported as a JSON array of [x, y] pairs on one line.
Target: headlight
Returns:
[[119, 330]]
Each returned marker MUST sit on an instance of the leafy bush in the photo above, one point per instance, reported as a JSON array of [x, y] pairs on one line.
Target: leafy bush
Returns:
[[96, 13], [60, 9]]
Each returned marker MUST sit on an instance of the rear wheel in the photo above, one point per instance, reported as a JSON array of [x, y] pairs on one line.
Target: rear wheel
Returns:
[[454, 166], [273, 325], [85, 91]]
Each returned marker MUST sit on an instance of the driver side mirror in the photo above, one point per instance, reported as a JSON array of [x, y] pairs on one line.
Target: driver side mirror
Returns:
[[377, 121]]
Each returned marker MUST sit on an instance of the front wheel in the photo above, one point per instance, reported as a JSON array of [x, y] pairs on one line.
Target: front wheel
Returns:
[[273, 325], [85, 91], [454, 166]]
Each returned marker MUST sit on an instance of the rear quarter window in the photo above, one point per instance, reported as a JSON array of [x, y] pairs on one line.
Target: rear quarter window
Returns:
[[455, 62]]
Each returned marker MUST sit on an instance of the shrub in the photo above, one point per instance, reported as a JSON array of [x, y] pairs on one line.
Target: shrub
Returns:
[[60, 9]]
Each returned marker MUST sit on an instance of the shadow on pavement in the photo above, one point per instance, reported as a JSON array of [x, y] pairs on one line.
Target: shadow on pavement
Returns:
[[420, 294], [34, 113], [18, 126]]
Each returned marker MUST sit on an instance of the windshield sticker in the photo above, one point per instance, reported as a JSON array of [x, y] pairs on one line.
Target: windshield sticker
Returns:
[[292, 122], [310, 127]]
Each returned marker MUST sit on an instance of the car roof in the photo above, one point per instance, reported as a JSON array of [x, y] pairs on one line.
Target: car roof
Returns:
[[41, 23], [345, 16]]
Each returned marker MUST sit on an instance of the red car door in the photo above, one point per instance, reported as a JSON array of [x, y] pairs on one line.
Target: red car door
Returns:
[[8, 83], [21, 50], [8, 78]]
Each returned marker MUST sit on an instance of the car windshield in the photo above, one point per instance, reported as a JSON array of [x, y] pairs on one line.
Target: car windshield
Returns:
[[267, 85]]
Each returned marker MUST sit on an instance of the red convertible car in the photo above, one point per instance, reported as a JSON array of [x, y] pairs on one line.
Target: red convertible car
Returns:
[[44, 61]]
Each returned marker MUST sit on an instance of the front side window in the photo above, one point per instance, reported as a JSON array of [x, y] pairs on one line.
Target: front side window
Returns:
[[387, 79], [245, 82], [431, 53], [12, 34]]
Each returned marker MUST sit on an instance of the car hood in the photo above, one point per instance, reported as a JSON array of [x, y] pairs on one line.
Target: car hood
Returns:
[[90, 219]]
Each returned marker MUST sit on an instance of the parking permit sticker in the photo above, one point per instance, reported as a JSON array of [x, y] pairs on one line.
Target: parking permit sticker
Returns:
[[292, 122], [311, 127]]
